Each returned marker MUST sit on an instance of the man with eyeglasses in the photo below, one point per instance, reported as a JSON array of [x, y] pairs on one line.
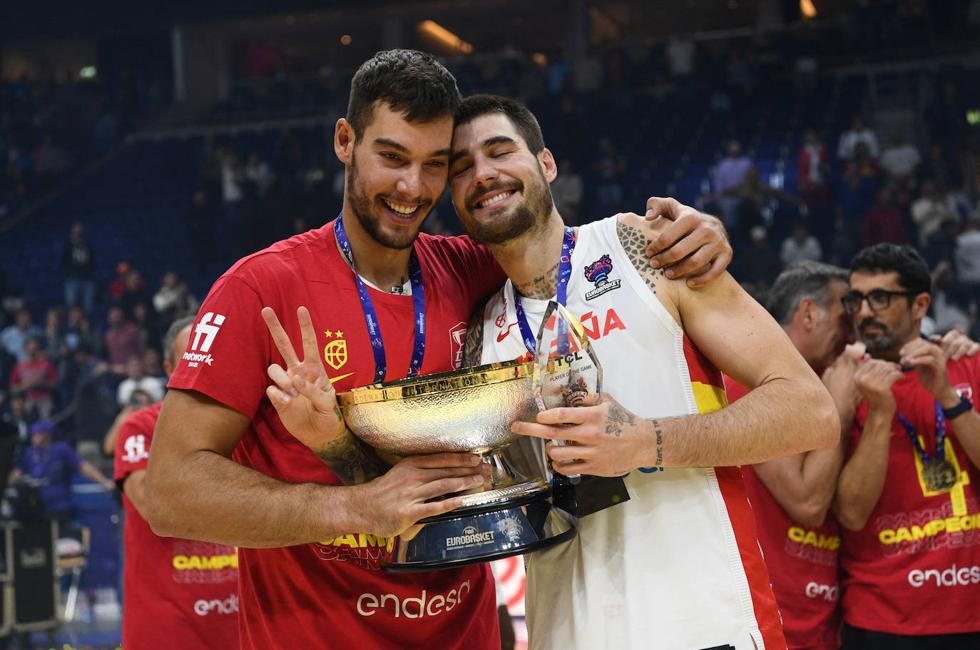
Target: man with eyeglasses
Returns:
[[907, 494]]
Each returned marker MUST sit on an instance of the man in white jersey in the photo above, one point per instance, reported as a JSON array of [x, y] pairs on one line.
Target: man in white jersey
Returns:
[[678, 565]]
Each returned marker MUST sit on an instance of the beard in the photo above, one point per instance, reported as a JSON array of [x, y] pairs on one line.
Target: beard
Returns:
[[504, 227], [886, 341], [371, 222]]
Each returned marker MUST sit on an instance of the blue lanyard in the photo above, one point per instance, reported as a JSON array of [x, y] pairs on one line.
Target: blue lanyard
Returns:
[[940, 436], [564, 273], [371, 316]]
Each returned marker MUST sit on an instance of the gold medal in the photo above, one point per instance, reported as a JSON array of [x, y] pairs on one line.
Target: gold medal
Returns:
[[939, 475]]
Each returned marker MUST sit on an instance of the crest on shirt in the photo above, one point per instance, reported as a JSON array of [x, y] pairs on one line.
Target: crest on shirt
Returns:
[[598, 274], [964, 390], [335, 351]]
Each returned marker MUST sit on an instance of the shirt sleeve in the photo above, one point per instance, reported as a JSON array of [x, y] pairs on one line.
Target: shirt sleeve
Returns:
[[132, 446], [229, 348]]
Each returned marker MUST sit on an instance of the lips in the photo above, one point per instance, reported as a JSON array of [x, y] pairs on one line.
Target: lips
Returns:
[[401, 210], [494, 196]]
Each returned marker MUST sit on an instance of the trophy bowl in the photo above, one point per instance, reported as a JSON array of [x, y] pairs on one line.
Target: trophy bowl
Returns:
[[467, 410], [463, 410]]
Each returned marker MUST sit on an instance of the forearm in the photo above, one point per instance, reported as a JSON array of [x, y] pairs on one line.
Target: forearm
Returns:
[[209, 497], [351, 460], [967, 427], [863, 477], [767, 423]]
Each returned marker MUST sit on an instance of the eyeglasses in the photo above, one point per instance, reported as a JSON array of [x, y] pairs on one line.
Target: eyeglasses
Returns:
[[878, 299]]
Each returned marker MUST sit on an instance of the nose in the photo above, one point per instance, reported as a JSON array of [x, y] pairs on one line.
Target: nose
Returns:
[[410, 181], [484, 170], [864, 311]]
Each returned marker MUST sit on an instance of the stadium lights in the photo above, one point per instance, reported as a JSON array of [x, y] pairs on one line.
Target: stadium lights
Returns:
[[444, 37], [88, 72], [807, 9]]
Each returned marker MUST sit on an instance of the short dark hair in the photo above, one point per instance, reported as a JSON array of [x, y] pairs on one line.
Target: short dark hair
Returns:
[[171, 335], [912, 270], [409, 81], [804, 280], [523, 120]]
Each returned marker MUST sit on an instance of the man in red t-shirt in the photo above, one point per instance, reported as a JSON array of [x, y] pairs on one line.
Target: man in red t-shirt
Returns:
[[907, 494], [311, 549], [36, 379], [791, 496], [179, 593]]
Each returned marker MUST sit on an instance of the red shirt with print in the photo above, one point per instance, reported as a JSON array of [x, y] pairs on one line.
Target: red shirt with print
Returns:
[[178, 594], [335, 592], [802, 562], [915, 567]]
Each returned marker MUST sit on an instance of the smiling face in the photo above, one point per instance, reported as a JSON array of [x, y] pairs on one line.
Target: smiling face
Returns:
[[396, 173], [500, 189]]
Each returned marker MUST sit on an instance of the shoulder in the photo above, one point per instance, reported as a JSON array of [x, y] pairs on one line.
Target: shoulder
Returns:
[[965, 369], [456, 253], [284, 258], [144, 418]]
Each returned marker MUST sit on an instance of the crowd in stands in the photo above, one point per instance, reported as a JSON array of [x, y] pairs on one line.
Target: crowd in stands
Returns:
[[76, 364]]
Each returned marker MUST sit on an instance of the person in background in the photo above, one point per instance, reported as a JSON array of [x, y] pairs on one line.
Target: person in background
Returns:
[[801, 246], [36, 379], [50, 466], [78, 265], [185, 587]]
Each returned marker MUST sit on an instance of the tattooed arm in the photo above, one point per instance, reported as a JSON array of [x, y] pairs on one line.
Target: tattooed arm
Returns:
[[738, 336], [473, 348]]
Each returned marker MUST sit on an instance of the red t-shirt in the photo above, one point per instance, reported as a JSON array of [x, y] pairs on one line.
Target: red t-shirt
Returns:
[[802, 562], [34, 371], [178, 593], [334, 592], [915, 567]]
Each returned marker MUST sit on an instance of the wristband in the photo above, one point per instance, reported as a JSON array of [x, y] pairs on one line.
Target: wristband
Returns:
[[958, 410]]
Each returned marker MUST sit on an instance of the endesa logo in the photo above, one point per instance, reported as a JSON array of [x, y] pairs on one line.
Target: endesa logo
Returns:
[[828, 593], [227, 606], [954, 576], [424, 606]]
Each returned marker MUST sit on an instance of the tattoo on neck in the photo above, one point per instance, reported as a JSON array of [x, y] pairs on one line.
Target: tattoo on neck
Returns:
[[617, 418], [659, 462], [541, 287]]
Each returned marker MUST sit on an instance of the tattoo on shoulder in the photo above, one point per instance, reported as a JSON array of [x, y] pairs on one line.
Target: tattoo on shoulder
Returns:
[[618, 418], [634, 242], [351, 460]]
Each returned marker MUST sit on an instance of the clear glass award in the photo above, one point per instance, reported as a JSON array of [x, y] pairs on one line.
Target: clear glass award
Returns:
[[568, 369]]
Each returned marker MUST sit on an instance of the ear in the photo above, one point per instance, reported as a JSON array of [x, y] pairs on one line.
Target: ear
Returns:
[[548, 165], [807, 313], [920, 306], [344, 141]]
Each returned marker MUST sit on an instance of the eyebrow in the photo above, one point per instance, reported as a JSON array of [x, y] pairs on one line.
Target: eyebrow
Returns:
[[388, 142], [489, 142]]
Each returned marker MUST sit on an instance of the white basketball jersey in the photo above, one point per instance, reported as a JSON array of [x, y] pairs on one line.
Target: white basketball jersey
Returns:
[[678, 565]]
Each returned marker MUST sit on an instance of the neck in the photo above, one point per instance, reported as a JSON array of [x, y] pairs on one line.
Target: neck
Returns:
[[531, 260], [381, 266]]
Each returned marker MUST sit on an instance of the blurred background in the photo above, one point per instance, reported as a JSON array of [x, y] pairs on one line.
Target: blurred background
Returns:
[[146, 146]]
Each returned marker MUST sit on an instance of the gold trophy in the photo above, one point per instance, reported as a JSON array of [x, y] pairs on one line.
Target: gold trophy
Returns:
[[471, 410]]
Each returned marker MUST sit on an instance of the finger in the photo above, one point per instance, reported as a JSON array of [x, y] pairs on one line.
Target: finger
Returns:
[[442, 486], [279, 337], [922, 360], [661, 206], [568, 415], [714, 269], [323, 399], [695, 263], [444, 460], [439, 507], [281, 378], [277, 397], [310, 348], [409, 533], [536, 430], [673, 243], [572, 469], [956, 350], [568, 453]]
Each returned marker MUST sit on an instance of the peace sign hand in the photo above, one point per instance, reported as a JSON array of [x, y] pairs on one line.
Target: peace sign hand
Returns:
[[301, 392]]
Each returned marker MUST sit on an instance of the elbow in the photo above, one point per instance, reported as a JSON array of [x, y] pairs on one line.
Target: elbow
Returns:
[[850, 518], [157, 511], [811, 512], [825, 418]]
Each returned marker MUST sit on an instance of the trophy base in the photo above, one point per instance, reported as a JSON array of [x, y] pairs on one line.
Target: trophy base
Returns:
[[459, 538]]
